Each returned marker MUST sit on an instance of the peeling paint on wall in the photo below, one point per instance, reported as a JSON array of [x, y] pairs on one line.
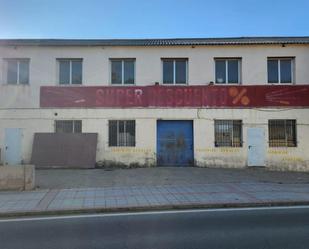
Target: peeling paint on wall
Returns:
[[219, 150], [130, 150], [277, 152]]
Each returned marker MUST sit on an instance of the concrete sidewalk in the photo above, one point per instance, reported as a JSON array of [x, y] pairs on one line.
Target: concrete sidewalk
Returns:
[[160, 176], [135, 198]]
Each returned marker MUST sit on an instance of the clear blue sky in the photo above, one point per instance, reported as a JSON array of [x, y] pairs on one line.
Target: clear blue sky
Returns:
[[152, 18]]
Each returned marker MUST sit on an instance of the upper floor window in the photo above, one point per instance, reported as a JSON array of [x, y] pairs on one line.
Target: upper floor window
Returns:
[[280, 70], [70, 71], [282, 133], [123, 71], [17, 71], [68, 126], [227, 71], [228, 133], [175, 71]]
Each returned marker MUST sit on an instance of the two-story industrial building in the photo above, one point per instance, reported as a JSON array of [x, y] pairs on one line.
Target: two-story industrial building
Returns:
[[226, 102]]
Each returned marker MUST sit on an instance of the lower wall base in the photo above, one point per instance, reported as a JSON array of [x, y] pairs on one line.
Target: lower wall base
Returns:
[[17, 177], [278, 166], [118, 164], [301, 167], [218, 165]]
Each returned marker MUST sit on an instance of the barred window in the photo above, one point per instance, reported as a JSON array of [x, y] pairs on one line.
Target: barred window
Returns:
[[228, 133], [68, 126], [121, 133], [282, 133]]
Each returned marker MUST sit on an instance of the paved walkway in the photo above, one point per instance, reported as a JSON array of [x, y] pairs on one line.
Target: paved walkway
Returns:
[[159, 176], [152, 197]]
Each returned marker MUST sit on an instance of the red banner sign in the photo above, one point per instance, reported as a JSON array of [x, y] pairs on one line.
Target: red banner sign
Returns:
[[175, 96]]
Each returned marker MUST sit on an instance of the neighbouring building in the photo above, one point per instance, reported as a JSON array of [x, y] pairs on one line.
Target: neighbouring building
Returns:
[[227, 102]]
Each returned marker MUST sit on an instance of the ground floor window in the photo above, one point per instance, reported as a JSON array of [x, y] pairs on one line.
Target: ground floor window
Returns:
[[228, 133], [68, 126], [121, 133], [282, 133]]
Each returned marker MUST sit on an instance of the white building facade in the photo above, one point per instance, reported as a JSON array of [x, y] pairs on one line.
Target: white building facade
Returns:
[[234, 102]]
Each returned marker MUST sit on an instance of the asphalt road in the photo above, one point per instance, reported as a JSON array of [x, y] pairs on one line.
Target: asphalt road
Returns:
[[227, 228]]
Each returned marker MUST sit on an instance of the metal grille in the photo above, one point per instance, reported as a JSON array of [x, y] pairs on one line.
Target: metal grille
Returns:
[[121, 133], [68, 126], [282, 133], [228, 133]]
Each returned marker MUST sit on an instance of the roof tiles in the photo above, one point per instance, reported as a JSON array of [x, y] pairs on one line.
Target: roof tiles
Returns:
[[156, 42]]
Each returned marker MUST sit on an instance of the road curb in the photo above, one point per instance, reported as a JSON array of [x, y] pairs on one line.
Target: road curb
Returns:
[[147, 208]]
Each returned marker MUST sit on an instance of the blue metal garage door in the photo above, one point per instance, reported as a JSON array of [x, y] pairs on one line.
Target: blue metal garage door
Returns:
[[174, 143]]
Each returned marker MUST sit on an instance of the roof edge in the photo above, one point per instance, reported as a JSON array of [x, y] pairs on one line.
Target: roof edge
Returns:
[[262, 40]]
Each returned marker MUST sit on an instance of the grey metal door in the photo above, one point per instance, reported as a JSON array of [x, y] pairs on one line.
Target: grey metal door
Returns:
[[256, 147], [12, 146]]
